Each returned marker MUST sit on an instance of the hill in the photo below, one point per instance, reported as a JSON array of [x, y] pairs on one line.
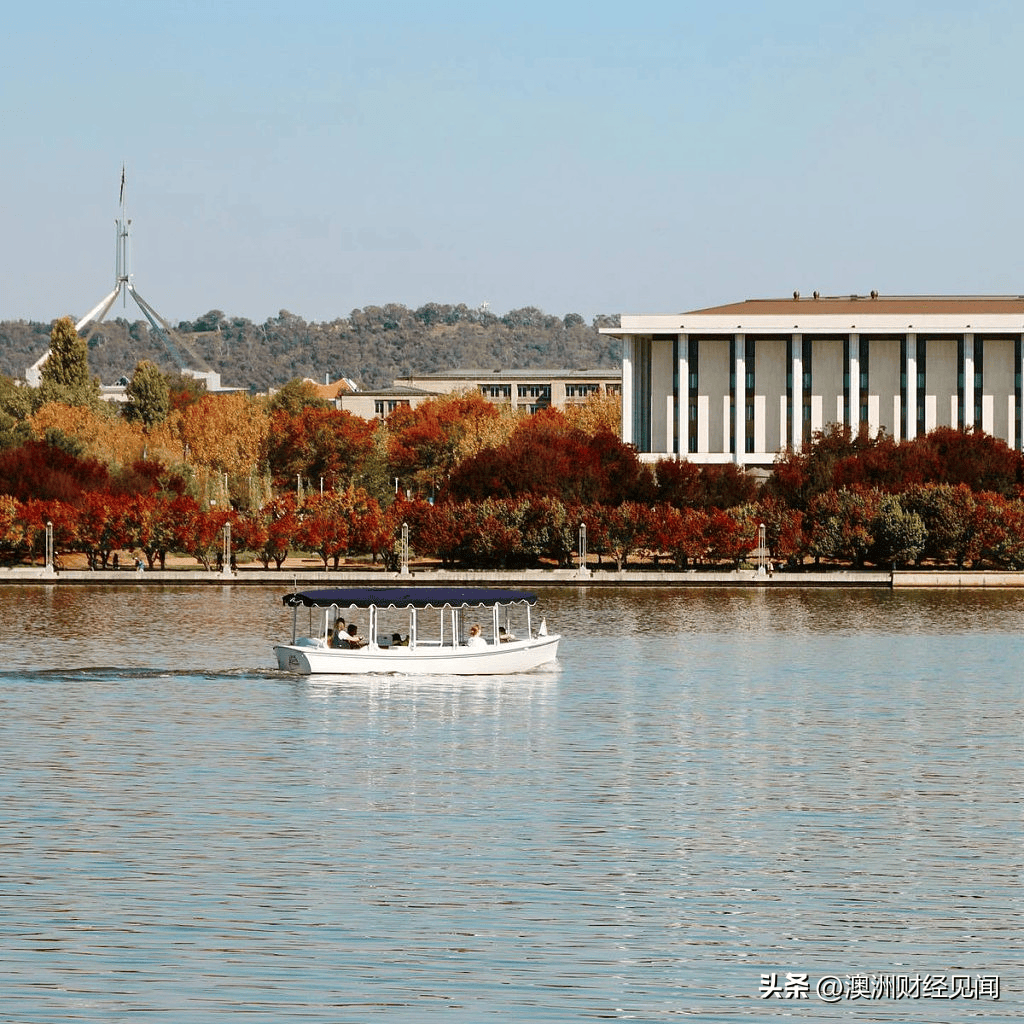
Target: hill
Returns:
[[373, 346]]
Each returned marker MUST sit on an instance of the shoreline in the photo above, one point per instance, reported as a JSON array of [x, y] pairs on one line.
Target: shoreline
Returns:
[[311, 578]]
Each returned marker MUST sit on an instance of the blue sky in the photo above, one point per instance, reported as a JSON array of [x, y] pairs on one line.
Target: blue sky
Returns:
[[580, 157]]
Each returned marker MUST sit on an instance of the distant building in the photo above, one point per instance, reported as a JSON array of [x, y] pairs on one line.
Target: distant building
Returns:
[[381, 402], [741, 382], [526, 390], [118, 391]]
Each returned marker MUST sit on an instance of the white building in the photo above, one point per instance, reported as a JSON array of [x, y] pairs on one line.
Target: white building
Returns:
[[738, 383]]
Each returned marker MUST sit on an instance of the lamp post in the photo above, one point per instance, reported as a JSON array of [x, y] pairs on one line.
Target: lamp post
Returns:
[[584, 571], [49, 546], [404, 570], [227, 550]]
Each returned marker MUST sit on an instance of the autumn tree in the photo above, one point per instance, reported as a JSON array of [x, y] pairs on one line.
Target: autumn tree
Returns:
[[225, 434], [270, 531], [426, 443], [319, 444], [323, 527], [546, 457], [184, 390], [98, 431], [198, 531], [680, 532], [41, 471], [12, 529]]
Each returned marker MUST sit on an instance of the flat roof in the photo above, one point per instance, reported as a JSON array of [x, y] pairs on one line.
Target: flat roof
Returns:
[[839, 314], [956, 305]]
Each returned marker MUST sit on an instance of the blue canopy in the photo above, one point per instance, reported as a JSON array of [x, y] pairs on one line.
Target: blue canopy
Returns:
[[408, 597]]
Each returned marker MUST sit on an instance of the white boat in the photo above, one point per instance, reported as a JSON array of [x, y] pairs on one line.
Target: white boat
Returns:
[[418, 630]]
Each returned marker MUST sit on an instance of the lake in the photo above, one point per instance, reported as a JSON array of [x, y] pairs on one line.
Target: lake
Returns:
[[722, 804]]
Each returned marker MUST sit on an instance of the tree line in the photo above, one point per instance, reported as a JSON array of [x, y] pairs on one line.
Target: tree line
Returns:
[[373, 346], [478, 486]]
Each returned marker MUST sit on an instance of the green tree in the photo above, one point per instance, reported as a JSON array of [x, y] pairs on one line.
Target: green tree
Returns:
[[65, 375], [295, 397], [15, 408], [899, 535], [149, 395]]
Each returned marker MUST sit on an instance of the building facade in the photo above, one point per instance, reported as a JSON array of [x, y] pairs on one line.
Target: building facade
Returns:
[[524, 390], [742, 382]]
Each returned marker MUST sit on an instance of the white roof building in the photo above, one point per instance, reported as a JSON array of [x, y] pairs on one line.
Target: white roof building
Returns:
[[741, 382]]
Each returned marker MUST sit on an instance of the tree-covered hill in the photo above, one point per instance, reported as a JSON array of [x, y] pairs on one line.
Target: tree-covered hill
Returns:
[[373, 346]]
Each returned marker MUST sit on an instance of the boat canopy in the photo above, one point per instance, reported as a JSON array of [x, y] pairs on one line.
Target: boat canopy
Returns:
[[409, 597]]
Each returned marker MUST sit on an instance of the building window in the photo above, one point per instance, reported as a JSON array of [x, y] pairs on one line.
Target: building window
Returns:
[[961, 389], [979, 379], [863, 382], [693, 361], [805, 415], [535, 391], [846, 382], [903, 388], [749, 363], [922, 375], [642, 394], [732, 394], [1018, 395], [383, 406], [581, 390], [496, 390]]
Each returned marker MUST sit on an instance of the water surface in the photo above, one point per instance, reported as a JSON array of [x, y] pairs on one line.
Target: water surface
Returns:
[[712, 786]]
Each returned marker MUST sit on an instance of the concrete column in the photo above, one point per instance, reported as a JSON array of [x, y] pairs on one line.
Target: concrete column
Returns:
[[853, 369], [968, 381], [911, 371], [683, 412], [627, 389], [739, 400], [796, 370]]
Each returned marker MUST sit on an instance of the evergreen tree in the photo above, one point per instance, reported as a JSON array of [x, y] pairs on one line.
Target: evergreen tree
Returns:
[[149, 395], [65, 375], [68, 364]]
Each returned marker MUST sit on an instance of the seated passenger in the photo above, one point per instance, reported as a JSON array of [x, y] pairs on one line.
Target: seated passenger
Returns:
[[355, 641], [504, 636], [397, 641], [338, 638], [475, 637]]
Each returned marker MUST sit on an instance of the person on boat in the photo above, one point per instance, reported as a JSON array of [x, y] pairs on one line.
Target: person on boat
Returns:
[[337, 637], [398, 641], [475, 637], [504, 636], [355, 641]]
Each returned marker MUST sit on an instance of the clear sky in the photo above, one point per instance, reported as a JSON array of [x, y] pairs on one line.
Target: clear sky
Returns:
[[586, 157]]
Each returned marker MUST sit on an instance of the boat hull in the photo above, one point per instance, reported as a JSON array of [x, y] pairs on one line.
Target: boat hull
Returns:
[[499, 659]]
